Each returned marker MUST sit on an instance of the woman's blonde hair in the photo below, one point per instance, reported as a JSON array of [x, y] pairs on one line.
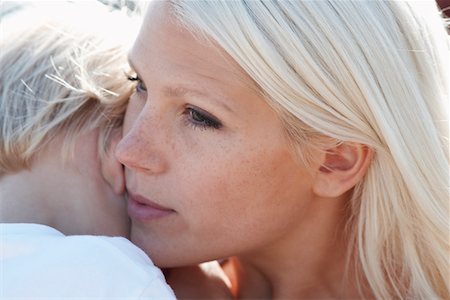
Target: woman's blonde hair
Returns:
[[62, 75], [370, 72]]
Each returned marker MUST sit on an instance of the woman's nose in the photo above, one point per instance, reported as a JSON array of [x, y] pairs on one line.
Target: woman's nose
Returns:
[[139, 148]]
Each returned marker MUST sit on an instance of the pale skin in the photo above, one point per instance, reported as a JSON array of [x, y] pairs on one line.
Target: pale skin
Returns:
[[201, 142], [83, 194]]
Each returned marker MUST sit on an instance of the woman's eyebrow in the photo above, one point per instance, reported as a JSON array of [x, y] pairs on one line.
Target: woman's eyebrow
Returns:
[[181, 91]]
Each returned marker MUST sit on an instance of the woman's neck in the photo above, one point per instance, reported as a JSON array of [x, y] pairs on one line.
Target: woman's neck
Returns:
[[309, 262]]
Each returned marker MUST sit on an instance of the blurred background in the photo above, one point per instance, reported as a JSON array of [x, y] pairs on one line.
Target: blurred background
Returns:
[[132, 6]]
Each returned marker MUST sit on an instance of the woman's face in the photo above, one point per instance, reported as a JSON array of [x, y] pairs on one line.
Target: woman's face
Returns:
[[208, 167]]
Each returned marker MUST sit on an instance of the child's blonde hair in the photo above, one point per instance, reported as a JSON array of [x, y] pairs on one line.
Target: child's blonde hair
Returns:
[[62, 74], [370, 72]]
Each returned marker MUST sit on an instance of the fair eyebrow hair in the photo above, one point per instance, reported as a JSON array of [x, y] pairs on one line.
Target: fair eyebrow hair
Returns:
[[181, 91]]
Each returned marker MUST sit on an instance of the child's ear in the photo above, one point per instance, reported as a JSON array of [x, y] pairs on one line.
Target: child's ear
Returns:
[[112, 169], [341, 168]]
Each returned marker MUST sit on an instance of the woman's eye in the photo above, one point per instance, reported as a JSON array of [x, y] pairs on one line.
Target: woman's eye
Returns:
[[202, 119], [140, 87]]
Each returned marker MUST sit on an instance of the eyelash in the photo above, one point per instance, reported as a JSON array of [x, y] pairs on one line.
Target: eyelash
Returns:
[[140, 87], [195, 117], [200, 119]]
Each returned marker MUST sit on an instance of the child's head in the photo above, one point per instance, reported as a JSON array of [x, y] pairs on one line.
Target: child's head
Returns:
[[63, 92], [57, 76]]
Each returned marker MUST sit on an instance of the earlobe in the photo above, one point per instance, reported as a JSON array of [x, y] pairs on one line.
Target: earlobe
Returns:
[[342, 168]]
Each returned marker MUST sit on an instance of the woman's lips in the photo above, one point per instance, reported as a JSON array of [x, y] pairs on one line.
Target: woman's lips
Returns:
[[143, 209]]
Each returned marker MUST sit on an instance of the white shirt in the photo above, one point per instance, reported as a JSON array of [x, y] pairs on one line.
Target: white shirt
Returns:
[[39, 262]]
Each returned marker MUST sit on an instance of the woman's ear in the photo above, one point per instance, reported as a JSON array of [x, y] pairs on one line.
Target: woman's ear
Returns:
[[342, 167]]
